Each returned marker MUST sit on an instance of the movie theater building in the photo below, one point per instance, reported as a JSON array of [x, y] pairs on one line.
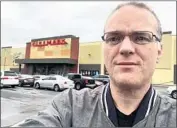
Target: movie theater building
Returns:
[[63, 54], [52, 55]]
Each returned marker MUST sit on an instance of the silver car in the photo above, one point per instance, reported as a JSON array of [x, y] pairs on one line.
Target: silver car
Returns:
[[172, 91], [55, 82]]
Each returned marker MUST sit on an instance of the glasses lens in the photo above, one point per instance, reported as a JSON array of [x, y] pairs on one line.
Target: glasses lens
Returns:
[[141, 37], [114, 38]]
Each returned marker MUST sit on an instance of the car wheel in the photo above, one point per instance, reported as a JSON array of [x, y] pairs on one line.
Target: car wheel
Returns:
[[78, 86], [37, 85], [174, 94], [13, 86], [1, 86], [31, 85], [56, 88], [20, 84]]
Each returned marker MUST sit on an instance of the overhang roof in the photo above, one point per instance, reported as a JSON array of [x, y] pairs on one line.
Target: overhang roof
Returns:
[[45, 61]]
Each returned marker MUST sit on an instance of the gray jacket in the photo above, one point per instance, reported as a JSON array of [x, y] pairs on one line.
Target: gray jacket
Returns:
[[84, 108]]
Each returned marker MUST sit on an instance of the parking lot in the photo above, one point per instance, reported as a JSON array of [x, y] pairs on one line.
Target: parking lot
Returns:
[[21, 102]]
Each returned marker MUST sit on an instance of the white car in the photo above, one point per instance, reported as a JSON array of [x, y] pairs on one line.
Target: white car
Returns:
[[9, 79], [55, 82], [172, 91], [37, 77]]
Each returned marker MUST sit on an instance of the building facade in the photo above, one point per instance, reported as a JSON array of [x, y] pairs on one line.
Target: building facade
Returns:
[[52, 55], [8, 57], [63, 54], [165, 72]]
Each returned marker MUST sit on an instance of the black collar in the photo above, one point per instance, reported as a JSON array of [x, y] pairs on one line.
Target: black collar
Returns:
[[142, 111]]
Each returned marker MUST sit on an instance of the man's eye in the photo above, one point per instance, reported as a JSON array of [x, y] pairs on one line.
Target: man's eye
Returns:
[[114, 39], [141, 38]]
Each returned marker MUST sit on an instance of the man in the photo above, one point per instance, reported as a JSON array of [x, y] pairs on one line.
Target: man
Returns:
[[132, 47]]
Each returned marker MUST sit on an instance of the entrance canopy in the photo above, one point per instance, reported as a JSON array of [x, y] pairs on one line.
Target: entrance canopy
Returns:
[[46, 61]]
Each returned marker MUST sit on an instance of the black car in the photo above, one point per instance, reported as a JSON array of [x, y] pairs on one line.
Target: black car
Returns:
[[81, 81], [25, 79], [101, 78]]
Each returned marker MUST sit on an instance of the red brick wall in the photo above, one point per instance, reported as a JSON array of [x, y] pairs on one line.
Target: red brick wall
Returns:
[[75, 48], [74, 53], [28, 49], [27, 56]]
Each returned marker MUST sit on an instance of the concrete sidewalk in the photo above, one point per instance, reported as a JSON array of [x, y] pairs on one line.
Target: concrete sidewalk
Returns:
[[163, 85]]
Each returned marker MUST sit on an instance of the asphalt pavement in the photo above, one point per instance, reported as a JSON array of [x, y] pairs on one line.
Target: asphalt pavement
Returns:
[[22, 102]]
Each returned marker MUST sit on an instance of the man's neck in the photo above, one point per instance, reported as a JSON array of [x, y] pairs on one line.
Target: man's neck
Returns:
[[128, 101]]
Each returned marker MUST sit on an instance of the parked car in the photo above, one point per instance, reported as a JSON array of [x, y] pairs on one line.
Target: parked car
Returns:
[[98, 83], [55, 82], [25, 79], [172, 91], [81, 81], [9, 79], [101, 78], [37, 77]]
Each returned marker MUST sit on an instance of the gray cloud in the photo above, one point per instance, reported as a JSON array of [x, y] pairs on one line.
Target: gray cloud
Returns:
[[23, 21]]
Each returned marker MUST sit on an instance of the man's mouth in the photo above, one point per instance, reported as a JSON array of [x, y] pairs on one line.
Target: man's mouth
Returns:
[[127, 63]]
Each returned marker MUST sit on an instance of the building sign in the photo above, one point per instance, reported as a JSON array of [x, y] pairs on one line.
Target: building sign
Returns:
[[49, 43]]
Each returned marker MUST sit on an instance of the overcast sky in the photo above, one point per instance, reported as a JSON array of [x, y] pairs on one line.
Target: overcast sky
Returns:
[[23, 21]]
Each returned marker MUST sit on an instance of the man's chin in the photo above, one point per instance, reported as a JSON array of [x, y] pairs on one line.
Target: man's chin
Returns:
[[127, 83]]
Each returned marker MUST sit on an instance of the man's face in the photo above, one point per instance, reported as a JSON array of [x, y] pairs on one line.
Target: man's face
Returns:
[[131, 65]]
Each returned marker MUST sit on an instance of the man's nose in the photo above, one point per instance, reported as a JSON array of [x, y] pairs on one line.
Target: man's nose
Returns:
[[126, 47]]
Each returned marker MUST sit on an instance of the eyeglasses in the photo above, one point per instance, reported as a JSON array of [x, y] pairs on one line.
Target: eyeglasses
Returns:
[[138, 37]]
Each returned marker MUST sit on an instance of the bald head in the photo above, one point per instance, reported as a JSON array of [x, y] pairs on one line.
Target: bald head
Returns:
[[138, 7]]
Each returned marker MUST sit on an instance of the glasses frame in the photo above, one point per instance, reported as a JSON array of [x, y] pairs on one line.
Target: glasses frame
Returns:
[[153, 35]]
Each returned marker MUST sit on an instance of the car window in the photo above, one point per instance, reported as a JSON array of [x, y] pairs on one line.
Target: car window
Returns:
[[99, 76], [36, 76], [70, 76], [103, 76], [106, 76], [46, 78], [77, 76], [52, 78], [96, 76], [9, 73], [65, 75]]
